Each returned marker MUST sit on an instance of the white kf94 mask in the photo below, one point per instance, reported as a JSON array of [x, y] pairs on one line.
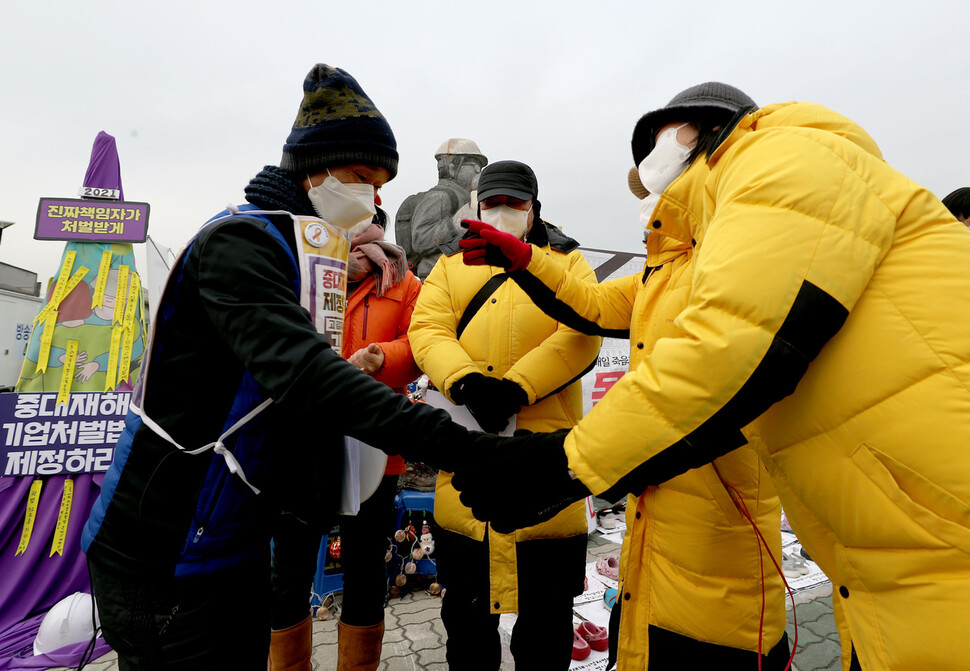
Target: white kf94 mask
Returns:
[[507, 219], [665, 163], [342, 205]]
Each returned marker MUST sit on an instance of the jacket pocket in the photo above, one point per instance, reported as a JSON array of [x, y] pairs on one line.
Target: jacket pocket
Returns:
[[926, 503], [719, 492], [451, 514]]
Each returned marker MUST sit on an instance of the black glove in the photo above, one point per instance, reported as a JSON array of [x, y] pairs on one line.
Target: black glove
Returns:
[[534, 485], [491, 401]]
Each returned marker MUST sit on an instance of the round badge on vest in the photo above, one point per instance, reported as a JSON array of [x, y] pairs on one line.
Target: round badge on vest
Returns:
[[316, 234]]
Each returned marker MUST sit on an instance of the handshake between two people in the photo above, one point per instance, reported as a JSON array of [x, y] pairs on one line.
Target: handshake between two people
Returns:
[[488, 246], [517, 481]]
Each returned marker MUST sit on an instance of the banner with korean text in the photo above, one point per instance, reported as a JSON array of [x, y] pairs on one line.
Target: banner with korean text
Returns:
[[39, 436]]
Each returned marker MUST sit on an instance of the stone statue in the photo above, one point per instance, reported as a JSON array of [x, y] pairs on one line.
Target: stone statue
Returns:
[[428, 218]]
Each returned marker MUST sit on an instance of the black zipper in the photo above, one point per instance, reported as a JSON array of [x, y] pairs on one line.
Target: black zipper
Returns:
[[366, 307], [200, 523]]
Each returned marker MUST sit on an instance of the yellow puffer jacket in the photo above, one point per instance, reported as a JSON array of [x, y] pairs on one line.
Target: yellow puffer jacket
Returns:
[[827, 319], [509, 337], [691, 560]]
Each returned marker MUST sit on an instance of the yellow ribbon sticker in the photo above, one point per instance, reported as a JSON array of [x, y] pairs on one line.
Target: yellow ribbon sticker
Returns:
[[33, 500], [63, 517], [102, 282], [121, 295], [67, 373]]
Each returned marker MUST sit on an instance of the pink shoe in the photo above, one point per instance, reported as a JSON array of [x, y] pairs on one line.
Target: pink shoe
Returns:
[[609, 566], [581, 648], [597, 636]]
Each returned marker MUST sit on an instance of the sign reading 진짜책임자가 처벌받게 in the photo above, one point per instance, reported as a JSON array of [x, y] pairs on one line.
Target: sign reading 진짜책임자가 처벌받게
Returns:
[[91, 221], [39, 436]]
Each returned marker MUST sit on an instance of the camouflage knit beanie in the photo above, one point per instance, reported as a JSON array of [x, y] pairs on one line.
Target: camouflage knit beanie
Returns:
[[337, 124]]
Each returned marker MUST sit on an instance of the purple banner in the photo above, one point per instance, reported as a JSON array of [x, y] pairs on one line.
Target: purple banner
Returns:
[[91, 220], [40, 437]]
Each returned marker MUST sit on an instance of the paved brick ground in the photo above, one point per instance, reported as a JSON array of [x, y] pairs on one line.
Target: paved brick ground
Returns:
[[414, 637], [818, 641]]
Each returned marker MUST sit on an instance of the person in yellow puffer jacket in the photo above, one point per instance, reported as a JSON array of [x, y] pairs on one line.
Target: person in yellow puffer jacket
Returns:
[[825, 327], [504, 358], [690, 555]]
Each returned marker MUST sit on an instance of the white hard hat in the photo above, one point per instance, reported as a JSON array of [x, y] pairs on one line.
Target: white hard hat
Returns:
[[459, 145], [69, 621]]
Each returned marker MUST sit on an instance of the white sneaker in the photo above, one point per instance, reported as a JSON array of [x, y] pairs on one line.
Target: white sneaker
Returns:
[[793, 566], [606, 519]]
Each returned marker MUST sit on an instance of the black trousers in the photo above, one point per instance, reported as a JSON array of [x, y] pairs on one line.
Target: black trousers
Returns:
[[364, 540], [216, 621], [542, 636], [670, 651]]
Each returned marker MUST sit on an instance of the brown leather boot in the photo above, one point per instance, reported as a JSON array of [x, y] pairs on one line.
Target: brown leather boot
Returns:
[[290, 648], [359, 648]]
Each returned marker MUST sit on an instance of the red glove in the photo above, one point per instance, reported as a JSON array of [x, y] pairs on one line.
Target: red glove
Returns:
[[489, 246]]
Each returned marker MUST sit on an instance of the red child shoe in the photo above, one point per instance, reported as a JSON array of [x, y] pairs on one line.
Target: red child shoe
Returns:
[[581, 648], [597, 636]]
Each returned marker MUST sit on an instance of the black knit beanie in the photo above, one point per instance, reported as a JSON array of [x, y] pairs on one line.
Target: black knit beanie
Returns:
[[337, 124], [958, 202], [707, 99]]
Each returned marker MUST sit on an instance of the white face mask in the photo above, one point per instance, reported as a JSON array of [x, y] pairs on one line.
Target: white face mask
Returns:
[[665, 163], [342, 205], [647, 206], [507, 219]]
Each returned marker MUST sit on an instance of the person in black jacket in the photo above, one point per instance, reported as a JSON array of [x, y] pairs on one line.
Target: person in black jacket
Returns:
[[243, 403]]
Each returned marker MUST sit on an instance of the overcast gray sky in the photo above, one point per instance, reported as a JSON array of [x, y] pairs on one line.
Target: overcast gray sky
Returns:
[[200, 95]]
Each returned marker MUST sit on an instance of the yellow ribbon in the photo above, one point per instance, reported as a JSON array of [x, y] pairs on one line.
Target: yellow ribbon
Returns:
[[49, 313], [141, 316], [55, 302], [46, 336], [73, 282], [59, 292], [102, 281], [63, 517], [134, 293], [131, 309], [33, 500], [121, 295], [111, 375], [67, 373]]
